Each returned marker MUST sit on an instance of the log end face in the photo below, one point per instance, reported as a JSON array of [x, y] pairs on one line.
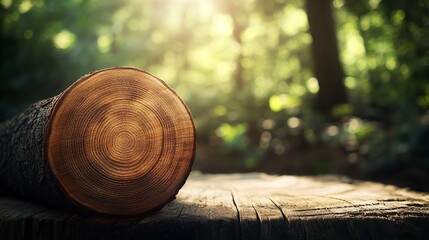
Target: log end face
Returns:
[[120, 142]]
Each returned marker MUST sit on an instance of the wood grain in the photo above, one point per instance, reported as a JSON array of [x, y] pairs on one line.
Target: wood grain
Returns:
[[118, 141], [243, 206], [121, 142]]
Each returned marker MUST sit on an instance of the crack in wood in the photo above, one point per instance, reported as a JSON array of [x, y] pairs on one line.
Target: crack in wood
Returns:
[[258, 220], [335, 198], [238, 214], [286, 221]]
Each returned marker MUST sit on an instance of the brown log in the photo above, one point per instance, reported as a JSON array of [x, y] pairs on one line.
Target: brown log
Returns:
[[118, 141]]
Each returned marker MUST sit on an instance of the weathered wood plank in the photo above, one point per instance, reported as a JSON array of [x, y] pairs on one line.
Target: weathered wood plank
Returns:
[[243, 206]]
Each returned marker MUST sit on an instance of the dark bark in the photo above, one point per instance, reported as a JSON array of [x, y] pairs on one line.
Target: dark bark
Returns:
[[23, 167], [327, 66]]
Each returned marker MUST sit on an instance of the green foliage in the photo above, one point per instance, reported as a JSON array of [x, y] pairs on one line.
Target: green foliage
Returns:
[[244, 68], [234, 137]]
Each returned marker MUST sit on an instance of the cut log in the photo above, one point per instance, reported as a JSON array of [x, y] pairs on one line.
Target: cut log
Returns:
[[243, 206], [118, 141]]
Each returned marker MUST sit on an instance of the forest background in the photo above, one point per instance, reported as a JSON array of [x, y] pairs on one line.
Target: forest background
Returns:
[[282, 86]]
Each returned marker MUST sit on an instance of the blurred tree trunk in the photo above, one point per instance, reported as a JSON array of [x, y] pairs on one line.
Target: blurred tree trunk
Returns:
[[327, 67], [239, 24]]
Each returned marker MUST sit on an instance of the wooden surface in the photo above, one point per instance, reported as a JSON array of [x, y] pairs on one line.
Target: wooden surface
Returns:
[[243, 206]]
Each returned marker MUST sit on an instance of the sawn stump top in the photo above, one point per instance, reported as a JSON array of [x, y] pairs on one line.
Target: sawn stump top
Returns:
[[243, 206]]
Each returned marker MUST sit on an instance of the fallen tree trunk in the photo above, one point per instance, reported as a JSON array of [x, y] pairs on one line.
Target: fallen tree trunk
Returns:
[[118, 141]]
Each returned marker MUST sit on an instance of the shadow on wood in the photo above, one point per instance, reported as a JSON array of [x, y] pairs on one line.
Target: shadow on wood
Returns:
[[243, 206]]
